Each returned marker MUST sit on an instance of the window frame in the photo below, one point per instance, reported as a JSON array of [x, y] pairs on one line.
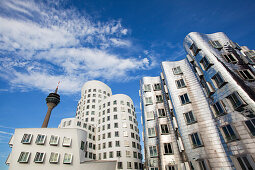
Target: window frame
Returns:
[[178, 82], [51, 160], [197, 138], [38, 141], [205, 63], [252, 122], [41, 160], [187, 97], [65, 160], [229, 133], [185, 117], [153, 151], [51, 140], [233, 101], [165, 130], [177, 70], [215, 45], [228, 59], [65, 143], [21, 157], [167, 148], [24, 140], [216, 109], [216, 82], [243, 75]]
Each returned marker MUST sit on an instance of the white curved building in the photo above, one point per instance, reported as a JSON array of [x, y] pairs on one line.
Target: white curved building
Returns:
[[116, 134]]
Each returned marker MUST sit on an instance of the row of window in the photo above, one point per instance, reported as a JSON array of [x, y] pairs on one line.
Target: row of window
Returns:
[[116, 134], [40, 140], [95, 90], [39, 157], [156, 87], [123, 115], [129, 165], [124, 125], [126, 143], [118, 155], [115, 103]]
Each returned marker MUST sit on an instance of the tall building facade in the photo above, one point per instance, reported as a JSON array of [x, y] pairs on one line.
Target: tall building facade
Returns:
[[210, 100], [103, 135]]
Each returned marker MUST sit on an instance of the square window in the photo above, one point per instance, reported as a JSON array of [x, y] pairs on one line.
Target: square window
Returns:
[[195, 139], [68, 158], [115, 116], [161, 113], [148, 101], [236, 100], [216, 44], [26, 138], [117, 143], [246, 75], [67, 141], [157, 87], [54, 157], [194, 49], [189, 117], [151, 132], [164, 129], [230, 58], [54, 140], [153, 151], [147, 87], [177, 70], [159, 98], [218, 109], [251, 126], [206, 64], [150, 115], [228, 132], [24, 157], [185, 98], [218, 80], [168, 148], [128, 154], [180, 83], [118, 153], [40, 139], [39, 157]]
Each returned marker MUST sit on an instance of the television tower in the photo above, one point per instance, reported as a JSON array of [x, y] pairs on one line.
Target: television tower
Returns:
[[52, 101]]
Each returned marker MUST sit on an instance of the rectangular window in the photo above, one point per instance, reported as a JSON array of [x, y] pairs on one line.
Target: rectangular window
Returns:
[[116, 133], [67, 141], [164, 129], [147, 87], [189, 117], [246, 75], [228, 132], [185, 98], [205, 63], [54, 140], [180, 83], [250, 54], [161, 113], [218, 109], [115, 125], [153, 151], [157, 87], [251, 126], [128, 154], [230, 58], [236, 100], [218, 80], [148, 100], [216, 44], [118, 153], [26, 138], [168, 148], [68, 158], [117, 143], [159, 98], [151, 132], [110, 154], [82, 145], [39, 157], [195, 139], [177, 70], [245, 162], [129, 165], [40, 139], [24, 156], [54, 157], [202, 164], [120, 166], [150, 115], [194, 49]]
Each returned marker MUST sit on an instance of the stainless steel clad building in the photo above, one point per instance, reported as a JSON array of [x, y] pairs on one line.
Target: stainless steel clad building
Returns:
[[209, 98]]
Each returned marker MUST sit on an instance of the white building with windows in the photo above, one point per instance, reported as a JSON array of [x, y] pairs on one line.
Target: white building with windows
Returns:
[[210, 101], [103, 135]]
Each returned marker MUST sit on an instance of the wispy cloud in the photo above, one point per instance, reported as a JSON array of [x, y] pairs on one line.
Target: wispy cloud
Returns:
[[6, 133], [42, 43]]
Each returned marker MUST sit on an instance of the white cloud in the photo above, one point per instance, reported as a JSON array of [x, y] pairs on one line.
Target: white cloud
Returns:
[[40, 46], [5, 133]]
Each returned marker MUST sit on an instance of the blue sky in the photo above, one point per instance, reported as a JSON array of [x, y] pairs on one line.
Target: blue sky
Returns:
[[115, 41]]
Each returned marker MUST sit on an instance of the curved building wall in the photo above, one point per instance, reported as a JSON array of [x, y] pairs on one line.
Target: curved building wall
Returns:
[[116, 128]]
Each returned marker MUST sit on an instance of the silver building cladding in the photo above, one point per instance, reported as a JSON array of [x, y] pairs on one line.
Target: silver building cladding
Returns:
[[209, 98]]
